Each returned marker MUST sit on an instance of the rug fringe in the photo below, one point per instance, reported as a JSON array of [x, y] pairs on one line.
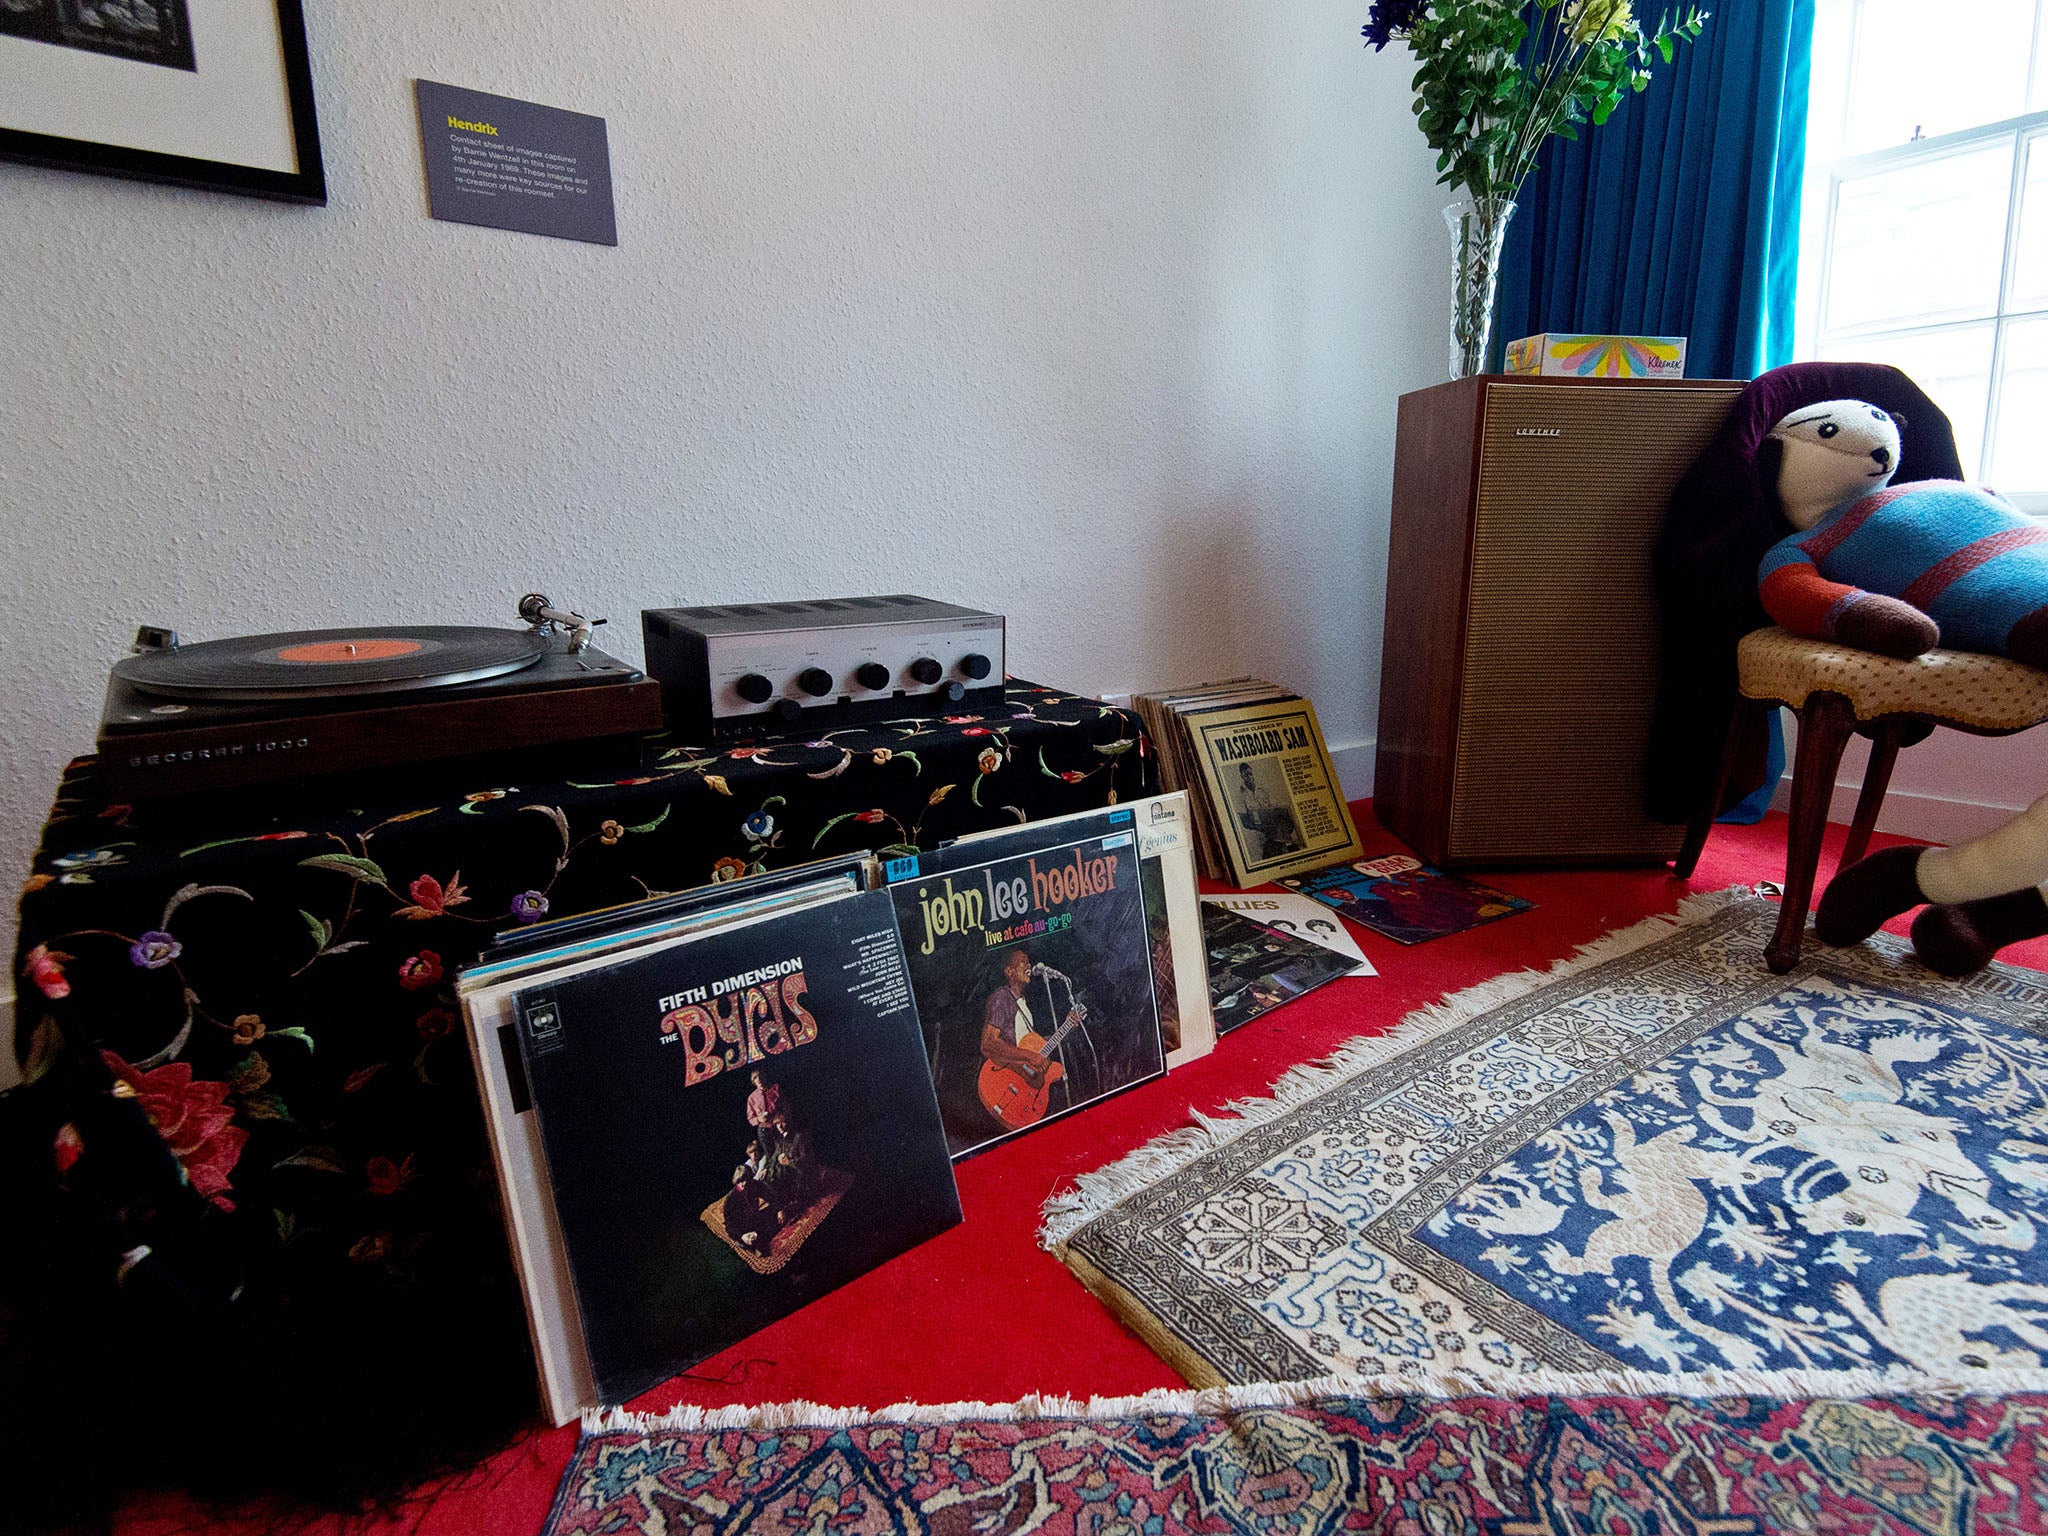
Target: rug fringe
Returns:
[[1791, 1385], [1094, 1193]]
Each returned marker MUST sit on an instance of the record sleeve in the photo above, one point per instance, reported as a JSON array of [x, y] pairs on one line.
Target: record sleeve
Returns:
[[1173, 920], [1273, 789], [734, 1125], [1405, 899], [1033, 976], [1254, 969], [1302, 916]]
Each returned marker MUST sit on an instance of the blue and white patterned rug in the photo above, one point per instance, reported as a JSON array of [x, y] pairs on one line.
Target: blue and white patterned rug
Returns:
[[1659, 1159]]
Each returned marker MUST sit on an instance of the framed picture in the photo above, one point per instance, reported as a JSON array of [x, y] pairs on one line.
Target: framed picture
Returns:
[[200, 93]]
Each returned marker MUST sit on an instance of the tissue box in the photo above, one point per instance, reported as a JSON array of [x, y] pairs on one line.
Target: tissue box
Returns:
[[1558, 355]]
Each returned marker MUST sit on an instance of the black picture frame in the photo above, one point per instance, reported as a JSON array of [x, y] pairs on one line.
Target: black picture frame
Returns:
[[308, 184]]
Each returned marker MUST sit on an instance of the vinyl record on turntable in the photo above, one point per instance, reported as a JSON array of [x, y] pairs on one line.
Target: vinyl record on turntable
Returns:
[[326, 662]]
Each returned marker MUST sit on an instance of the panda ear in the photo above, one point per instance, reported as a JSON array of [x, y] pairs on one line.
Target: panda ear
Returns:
[[1770, 462], [1899, 420]]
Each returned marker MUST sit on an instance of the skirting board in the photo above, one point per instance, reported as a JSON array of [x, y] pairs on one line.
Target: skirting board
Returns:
[[1930, 818], [1906, 812], [1949, 789]]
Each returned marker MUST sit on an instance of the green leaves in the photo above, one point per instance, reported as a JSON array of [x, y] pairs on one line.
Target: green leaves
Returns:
[[186, 893], [368, 870], [321, 929], [650, 826], [1494, 80]]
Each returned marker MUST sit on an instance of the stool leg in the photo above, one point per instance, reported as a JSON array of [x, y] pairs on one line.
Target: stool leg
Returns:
[[1824, 725], [1702, 822], [1877, 778]]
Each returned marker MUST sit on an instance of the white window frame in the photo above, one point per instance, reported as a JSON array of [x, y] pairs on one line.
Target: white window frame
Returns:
[[2027, 133]]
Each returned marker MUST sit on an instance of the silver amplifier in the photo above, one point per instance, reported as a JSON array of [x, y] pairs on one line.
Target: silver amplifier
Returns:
[[750, 669]]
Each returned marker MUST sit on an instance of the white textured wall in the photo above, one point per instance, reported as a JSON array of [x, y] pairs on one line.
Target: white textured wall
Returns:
[[1092, 313]]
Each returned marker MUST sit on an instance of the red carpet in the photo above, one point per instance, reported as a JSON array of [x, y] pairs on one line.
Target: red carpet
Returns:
[[981, 1312]]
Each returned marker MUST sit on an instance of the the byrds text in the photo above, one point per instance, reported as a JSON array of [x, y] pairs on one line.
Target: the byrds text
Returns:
[[738, 1021], [949, 910], [1284, 738]]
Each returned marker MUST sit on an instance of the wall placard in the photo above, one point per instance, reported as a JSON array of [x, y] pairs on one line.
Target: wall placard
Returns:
[[510, 164]]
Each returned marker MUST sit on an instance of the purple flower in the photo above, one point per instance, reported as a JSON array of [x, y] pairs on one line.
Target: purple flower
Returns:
[[1390, 17], [529, 906], [154, 950]]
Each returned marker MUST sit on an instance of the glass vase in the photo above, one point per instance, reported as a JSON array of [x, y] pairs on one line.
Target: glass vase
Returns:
[[1479, 230]]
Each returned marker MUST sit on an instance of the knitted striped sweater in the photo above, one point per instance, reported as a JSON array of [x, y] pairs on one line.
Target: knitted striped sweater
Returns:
[[1961, 554]]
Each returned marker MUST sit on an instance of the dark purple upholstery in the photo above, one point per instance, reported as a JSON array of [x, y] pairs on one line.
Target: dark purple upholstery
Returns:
[[1724, 516]]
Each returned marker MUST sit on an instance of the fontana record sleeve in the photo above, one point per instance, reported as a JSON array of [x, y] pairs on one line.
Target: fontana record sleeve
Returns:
[[733, 1126]]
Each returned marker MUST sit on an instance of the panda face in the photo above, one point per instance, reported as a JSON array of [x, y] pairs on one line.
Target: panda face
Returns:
[[1833, 452]]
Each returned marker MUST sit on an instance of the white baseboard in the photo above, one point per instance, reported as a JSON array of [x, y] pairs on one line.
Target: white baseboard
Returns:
[[1931, 818], [1906, 812]]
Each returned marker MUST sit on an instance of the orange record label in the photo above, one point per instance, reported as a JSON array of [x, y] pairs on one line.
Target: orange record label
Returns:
[[349, 650]]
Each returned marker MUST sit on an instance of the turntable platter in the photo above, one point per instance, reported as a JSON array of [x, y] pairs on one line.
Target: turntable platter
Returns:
[[320, 663]]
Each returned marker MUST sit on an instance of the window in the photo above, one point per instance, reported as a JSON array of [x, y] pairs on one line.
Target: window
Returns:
[[1925, 238]]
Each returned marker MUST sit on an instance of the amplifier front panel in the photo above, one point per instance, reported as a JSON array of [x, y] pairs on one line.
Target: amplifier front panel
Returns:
[[1561, 651], [782, 656]]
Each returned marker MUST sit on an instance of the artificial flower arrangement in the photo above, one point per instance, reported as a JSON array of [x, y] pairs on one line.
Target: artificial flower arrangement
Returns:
[[1494, 80]]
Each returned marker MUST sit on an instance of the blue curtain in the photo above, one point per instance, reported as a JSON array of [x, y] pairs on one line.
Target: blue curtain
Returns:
[[1680, 215]]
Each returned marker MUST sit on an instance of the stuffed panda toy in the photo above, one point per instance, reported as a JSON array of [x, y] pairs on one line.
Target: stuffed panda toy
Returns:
[[1897, 569]]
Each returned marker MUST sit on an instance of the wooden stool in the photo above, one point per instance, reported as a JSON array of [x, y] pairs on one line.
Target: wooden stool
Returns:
[[1838, 690]]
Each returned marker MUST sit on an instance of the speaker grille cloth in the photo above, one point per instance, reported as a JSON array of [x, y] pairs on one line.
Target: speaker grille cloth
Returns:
[[1561, 642]]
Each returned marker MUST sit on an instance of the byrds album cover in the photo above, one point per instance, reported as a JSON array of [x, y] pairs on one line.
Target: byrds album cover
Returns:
[[1405, 899], [1034, 982], [734, 1126]]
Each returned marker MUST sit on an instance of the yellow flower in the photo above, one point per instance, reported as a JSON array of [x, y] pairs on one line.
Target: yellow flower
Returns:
[[248, 1028], [1598, 21]]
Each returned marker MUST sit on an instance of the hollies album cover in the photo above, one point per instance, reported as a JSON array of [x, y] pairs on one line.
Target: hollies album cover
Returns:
[[734, 1126], [1033, 974], [1253, 969]]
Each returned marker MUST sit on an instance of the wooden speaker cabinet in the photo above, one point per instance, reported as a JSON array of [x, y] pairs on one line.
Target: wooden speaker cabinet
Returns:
[[1519, 666]]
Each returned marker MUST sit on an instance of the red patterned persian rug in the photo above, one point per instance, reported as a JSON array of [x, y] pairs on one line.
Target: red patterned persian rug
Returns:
[[1314, 1459]]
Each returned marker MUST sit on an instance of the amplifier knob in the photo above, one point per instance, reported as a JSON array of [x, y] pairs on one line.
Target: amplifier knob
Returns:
[[872, 675], [926, 670], [788, 711], [754, 688], [955, 691], [975, 665], [815, 681]]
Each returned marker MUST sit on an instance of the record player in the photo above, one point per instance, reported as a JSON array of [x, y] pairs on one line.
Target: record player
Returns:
[[265, 709]]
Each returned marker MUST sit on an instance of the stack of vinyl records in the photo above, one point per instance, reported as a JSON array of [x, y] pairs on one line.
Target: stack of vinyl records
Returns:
[[706, 1111], [709, 1108], [1251, 758]]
